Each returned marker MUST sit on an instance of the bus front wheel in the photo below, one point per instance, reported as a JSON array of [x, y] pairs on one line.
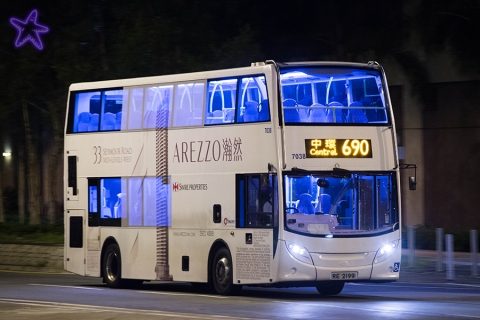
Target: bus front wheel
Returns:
[[222, 273], [330, 288]]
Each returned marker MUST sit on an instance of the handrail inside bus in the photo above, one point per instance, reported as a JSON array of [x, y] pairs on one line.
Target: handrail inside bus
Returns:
[[328, 89], [221, 95], [245, 91], [189, 98]]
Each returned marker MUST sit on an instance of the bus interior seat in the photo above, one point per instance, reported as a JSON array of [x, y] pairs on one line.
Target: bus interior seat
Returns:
[[83, 121], [290, 110], [356, 115], [264, 113], [376, 114], [305, 204], [324, 204], [108, 121], [93, 125], [251, 111], [229, 115], [217, 116], [118, 121], [303, 113], [335, 114], [317, 113], [366, 102], [306, 101]]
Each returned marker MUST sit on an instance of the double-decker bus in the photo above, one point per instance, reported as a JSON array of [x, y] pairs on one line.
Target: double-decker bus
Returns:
[[277, 174]]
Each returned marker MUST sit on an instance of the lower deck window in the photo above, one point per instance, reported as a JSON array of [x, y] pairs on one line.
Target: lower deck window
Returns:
[[128, 202]]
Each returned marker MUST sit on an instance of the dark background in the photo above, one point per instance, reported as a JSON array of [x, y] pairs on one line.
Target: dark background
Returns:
[[428, 49]]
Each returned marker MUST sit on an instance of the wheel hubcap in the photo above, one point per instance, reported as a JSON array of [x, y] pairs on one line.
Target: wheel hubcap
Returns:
[[112, 266], [222, 271]]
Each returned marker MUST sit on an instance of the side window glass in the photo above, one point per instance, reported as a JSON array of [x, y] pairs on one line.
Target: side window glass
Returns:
[[221, 107], [150, 201], [188, 105], [256, 201], [111, 198], [158, 104], [156, 202], [253, 100], [86, 116], [135, 108], [110, 108], [135, 201]]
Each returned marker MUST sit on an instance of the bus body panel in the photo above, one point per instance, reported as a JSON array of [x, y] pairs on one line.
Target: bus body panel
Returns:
[[253, 260], [137, 249]]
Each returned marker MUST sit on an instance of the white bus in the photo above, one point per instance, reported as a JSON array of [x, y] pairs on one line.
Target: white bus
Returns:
[[269, 175]]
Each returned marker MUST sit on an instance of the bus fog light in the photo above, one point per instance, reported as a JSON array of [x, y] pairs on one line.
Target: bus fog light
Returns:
[[293, 270], [299, 252]]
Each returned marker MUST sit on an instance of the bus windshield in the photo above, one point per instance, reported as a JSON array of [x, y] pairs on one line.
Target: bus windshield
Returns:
[[333, 95], [356, 203]]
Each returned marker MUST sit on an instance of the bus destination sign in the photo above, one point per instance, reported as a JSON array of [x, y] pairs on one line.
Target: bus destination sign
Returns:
[[338, 148]]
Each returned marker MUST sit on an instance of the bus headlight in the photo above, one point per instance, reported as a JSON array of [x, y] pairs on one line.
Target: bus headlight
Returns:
[[386, 251], [299, 252]]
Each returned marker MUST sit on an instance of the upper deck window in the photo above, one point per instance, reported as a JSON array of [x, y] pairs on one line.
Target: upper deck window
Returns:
[[188, 104], [237, 100], [184, 104], [333, 95], [98, 110], [158, 106]]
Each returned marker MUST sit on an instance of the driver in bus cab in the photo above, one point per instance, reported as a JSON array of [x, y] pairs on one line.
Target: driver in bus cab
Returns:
[[304, 203]]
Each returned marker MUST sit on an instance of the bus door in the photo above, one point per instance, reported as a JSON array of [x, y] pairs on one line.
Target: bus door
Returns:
[[74, 243]]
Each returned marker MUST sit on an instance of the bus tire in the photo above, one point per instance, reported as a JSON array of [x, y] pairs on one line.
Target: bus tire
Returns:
[[112, 266], [330, 288], [222, 273]]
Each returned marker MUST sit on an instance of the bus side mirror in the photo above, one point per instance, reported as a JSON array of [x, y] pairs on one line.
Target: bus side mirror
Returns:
[[412, 183]]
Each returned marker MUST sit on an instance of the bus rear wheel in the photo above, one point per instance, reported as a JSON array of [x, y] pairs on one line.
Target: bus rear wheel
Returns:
[[222, 273], [330, 288], [112, 266], [112, 270]]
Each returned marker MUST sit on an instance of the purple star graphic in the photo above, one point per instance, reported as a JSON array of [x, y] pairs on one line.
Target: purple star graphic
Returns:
[[29, 30]]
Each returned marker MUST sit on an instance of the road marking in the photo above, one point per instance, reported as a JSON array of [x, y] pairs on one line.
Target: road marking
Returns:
[[33, 272], [185, 294], [92, 308], [52, 285], [464, 285], [423, 285], [398, 309]]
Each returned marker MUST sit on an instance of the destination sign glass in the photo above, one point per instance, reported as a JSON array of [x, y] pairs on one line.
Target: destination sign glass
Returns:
[[338, 148]]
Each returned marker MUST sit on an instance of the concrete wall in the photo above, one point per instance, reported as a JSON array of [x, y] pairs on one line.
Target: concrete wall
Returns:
[[31, 257]]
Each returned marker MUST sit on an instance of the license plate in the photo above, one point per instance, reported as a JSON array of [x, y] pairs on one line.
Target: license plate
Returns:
[[352, 275]]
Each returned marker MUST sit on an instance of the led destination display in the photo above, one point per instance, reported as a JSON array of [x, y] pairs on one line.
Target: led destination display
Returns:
[[338, 148]]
